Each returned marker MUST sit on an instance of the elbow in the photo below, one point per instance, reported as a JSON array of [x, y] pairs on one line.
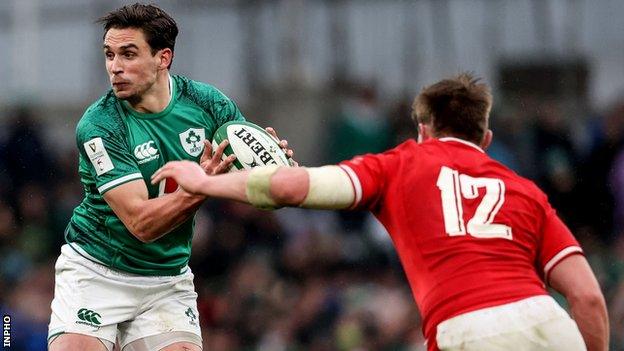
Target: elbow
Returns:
[[590, 300], [141, 234], [287, 196], [144, 237], [141, 231], [289, 187]]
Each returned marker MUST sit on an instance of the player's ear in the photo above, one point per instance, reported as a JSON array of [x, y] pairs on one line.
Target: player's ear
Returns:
[[487, 139], [165, 56]]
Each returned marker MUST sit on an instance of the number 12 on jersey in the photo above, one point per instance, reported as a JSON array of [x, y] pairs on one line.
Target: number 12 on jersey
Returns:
[[454, 187]]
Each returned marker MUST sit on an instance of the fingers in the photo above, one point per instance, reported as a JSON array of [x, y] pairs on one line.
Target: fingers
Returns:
[[163, 172], [283, 144], [272, 132], [219, 151], [225, 165], [216, 165], [212, 162], [207, 151]]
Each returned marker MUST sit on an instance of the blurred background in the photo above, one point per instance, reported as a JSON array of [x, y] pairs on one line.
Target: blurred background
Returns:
[[336, 78]]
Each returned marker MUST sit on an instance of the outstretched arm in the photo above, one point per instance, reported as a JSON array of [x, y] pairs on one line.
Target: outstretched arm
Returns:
[[574, 278], [267, 187]]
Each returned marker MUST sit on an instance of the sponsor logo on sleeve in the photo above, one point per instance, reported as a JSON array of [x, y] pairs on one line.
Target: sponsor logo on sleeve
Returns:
[[192, 141], [98, 156]]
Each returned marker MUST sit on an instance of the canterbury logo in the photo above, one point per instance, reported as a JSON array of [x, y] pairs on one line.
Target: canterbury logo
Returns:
[[89, 316], [145, 150]]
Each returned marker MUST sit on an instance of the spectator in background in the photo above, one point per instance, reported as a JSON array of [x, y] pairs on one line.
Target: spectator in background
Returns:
[[402, 127], [605, 172], [509, 129], [556, 160], [359, 127], [616, 183], [25, 156]]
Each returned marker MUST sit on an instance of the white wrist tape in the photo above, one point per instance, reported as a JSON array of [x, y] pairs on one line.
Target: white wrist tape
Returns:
[[330, 188], [258, 188]]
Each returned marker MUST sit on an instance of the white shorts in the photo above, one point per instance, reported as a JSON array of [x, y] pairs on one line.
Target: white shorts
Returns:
[[536, 323], [94, 300]]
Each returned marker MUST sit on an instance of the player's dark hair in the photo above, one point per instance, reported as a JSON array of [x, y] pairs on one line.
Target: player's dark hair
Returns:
[[457, 106], [159, 28]]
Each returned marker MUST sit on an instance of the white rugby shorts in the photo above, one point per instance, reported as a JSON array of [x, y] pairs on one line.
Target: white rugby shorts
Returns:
[[94, 300], [535, 323]]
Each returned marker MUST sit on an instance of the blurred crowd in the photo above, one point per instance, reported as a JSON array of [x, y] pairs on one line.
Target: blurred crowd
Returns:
[[315, 280]]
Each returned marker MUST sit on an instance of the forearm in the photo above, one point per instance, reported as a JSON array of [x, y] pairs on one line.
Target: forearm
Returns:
[[285, 187], [161, 215], [590, 315], [226, 186], [574, 278]]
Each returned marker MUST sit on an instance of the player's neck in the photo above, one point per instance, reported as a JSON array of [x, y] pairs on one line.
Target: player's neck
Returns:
[[156, 98]]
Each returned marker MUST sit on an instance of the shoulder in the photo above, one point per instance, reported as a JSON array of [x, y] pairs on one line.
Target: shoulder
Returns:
[[101, 118], [202, 94], [523, 187], [409, 149]]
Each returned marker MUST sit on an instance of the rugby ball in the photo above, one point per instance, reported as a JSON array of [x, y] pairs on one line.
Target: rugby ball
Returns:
[[251, 144]]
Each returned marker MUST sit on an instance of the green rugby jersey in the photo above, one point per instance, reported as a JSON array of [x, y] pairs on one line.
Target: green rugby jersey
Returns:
[[118, 144]]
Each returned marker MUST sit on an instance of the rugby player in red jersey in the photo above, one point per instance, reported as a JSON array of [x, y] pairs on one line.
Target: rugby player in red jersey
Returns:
[[479, 243]]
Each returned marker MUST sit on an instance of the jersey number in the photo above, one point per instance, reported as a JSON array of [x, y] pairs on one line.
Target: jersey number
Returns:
[[454, 187]]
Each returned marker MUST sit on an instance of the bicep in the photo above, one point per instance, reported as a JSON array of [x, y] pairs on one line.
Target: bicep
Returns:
[[573, 276], [127, 199]]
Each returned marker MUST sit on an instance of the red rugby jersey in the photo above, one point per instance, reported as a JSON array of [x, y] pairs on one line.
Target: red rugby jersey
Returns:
[[470, 233]]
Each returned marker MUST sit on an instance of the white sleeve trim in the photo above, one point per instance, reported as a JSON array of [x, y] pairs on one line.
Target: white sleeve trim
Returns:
[[115, 182], [357, 186], [559, 256]]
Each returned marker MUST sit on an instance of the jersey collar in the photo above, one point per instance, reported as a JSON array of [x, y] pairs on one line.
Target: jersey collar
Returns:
[[461, 141], [170, 87]]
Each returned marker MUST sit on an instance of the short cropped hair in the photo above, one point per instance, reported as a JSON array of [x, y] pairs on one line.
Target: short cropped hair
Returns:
[[457, 107], [159, 28]]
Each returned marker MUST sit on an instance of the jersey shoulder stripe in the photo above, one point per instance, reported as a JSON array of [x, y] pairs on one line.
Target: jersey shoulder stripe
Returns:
[[115, 182], [568, 251]]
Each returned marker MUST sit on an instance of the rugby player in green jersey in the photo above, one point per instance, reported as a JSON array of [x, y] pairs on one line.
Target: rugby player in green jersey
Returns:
[[123, 274]]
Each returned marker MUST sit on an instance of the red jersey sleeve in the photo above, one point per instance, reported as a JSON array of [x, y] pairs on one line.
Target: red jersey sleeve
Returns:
[[557, 242], [367, 174]]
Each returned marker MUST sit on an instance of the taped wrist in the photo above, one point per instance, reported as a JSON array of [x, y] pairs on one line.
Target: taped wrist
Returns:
[[258, 188]]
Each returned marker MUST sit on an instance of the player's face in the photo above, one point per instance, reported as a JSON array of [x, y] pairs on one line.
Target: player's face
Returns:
[[131, 67]]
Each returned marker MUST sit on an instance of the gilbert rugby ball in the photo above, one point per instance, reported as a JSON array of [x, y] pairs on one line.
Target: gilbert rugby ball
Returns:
[[251, 144]]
